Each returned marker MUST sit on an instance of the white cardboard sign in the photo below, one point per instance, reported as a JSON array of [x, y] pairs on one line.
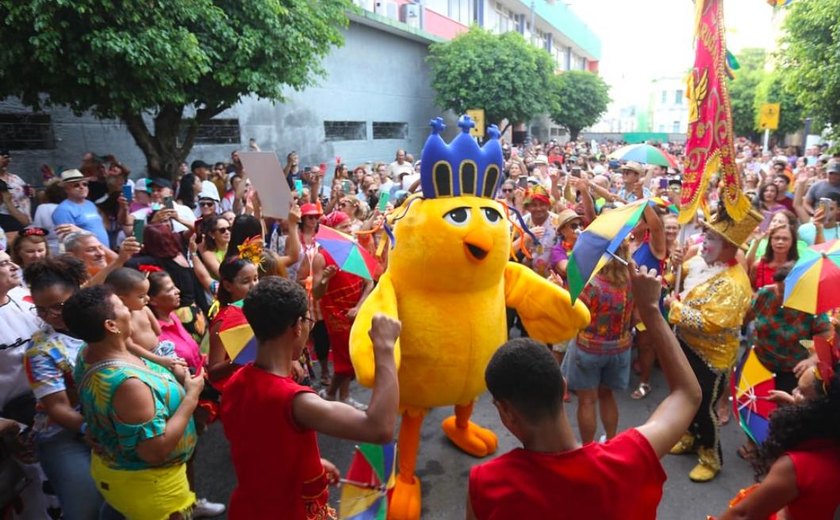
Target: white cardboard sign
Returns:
[[267, 177]]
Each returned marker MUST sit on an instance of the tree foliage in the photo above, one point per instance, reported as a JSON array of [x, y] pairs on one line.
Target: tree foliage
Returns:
[[502, 74], [771, 90], [578, 99], [160, 65], [809, 59], [742, 91]]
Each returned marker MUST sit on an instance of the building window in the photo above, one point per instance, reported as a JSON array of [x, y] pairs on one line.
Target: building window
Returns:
[[678, 97], [345, 130], [664, 97], [22, 131], [676, 128], [215, 131], [383, 130], [461, 11]]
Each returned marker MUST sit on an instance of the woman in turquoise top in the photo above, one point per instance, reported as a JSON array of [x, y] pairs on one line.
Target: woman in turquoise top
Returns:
[[136, 411]]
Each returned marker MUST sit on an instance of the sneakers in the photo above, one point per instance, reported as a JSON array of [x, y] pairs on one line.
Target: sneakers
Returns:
[[203, 508], [322, 393]]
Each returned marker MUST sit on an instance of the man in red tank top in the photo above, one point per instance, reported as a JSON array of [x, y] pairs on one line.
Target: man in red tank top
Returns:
[[552, 475]]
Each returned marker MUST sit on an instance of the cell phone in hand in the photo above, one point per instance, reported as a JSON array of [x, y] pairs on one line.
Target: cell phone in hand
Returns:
[[575, 172], [346, 186], [824, 204], [663, 183], [168, 203], [139, 226], [384, 197], [127, 192], [522, 182], [299, 187]]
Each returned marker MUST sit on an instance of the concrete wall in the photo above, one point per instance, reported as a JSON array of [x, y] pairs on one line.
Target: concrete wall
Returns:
[[375, 76]]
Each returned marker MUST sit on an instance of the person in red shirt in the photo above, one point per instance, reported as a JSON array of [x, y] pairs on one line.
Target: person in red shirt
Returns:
[[552, 475], [271, 421], [799, 461]]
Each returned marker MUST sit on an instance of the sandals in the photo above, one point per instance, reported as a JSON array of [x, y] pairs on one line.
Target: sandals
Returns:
[[641, 391], [747, 451]]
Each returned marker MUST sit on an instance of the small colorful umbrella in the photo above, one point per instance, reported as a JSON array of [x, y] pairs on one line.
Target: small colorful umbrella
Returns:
[[237, 336], [599, 241], [645, 154], [364, 494], [811, 286], [750, 387], [346, 252]]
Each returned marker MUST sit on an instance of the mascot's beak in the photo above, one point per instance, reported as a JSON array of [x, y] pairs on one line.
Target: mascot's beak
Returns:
[[478, 244]]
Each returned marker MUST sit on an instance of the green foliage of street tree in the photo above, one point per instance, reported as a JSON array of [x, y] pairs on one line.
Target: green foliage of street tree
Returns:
[[742, 91], [502, 74], [162, 67], [771, 90], [809, 59], [578, 99]]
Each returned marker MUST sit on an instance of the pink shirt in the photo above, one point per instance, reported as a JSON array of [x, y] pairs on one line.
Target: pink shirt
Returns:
[[185, 346]]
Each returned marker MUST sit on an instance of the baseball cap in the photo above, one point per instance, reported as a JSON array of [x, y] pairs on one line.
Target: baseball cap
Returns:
[[159, 181], [833, 167], [199, 164]]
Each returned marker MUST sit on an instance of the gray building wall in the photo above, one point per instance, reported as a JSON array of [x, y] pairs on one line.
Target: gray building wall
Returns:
[[376, 76]]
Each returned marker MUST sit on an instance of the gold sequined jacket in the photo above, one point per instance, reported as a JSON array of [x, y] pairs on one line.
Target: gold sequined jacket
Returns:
[[710, 316]]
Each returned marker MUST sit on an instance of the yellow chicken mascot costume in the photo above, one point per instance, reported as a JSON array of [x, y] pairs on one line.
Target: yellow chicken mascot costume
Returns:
[[448, 281]]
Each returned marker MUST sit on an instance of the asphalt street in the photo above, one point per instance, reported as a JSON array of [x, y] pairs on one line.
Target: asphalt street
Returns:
[[444, 469]]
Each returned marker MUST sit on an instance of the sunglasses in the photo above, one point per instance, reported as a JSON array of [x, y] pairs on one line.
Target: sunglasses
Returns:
[[207, 204], [222, 230], [574, 225], [507, 190]]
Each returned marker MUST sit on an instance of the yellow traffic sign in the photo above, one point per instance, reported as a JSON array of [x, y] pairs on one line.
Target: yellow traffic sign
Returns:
[[477, 115], [768, 116]]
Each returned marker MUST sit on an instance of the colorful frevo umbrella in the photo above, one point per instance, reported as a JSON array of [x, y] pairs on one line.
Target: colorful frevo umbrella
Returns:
[[346, 252], [364, 490], [237, 336], [812, 284], [600, 240], [750, 387], [645, 154]]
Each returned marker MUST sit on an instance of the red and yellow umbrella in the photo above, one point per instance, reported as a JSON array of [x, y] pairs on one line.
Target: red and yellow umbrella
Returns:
[[750, 388], [812, 284]]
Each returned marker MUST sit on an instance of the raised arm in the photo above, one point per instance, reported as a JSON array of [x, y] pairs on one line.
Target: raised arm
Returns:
[[672, 417], [341, 420]]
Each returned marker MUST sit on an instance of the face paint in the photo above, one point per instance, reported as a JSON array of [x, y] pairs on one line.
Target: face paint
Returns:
[[712, 247]]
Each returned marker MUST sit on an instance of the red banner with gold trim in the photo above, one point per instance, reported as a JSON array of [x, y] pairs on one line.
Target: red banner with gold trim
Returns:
[[709, 147]]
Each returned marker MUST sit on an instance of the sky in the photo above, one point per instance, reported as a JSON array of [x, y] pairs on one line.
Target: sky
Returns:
[[645, 39]]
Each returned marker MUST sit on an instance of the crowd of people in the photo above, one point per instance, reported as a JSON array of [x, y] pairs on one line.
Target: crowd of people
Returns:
[[114, 292]]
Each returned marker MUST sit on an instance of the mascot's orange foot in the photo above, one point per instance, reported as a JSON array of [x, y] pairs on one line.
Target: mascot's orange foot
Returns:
[[405, 500], [475, 440]]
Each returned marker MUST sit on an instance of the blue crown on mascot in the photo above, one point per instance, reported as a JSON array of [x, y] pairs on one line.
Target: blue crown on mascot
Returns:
[[461, 167]]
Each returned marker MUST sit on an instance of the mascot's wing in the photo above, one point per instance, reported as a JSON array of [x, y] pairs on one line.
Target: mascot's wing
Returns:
[[383, 300], [545, 309]]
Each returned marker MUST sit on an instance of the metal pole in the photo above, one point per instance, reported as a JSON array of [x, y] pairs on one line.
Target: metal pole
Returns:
[[766, 139]]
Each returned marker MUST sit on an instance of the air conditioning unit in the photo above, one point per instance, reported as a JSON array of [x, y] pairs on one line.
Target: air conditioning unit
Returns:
[[367, 5], [410, 15], [387, 9]]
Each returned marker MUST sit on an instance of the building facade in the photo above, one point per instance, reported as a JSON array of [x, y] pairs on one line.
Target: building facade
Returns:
[[375, 97]]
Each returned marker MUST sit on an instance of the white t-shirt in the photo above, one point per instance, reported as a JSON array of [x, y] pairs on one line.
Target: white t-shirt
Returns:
[[43, 219], [18, 322]]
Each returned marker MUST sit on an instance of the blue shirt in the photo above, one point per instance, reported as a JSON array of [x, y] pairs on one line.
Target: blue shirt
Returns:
[[83, 215], [808, 233]]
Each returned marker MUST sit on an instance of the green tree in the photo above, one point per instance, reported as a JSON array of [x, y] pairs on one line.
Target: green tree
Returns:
[[771, 90], [502, 74], [742, 91], [162, 67], [809, 59], [578, 99]]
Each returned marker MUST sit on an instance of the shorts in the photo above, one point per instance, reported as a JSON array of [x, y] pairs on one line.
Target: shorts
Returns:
[[145, 494], [585, 371]]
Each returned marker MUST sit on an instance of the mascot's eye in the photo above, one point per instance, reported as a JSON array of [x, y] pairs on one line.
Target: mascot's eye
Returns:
[[491, 215], [458, 216]]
